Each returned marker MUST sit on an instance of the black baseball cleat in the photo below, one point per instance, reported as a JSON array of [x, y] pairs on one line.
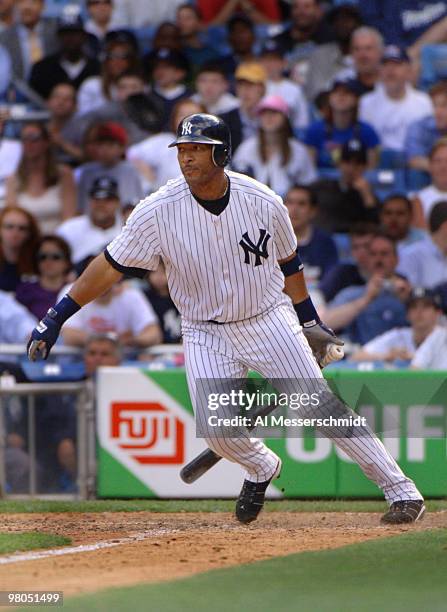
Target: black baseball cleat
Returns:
[[251, 498], [407, 511]]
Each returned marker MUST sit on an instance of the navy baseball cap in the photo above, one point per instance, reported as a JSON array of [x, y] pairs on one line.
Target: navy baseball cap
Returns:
[[104, 188], [170, 56], [427, 295], [272, 47], [393, 53], [70, 19], [354, 150], [348, 83]]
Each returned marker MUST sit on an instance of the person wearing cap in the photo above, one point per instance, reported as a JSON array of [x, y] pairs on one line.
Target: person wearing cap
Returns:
[[30, 39], [401, 343], [425, 262], [349, 198], [395, 103], [71, 64], [111, 146], [325, 137], [212, 87], [168, 70], [273, 156], [327, 60], [120, 55], [243, 121], [87, 234], [272, 58]]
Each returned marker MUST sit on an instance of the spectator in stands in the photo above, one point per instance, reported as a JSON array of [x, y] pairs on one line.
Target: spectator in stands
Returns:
[[52, 265], [41, 185], [168, 316], [30, 38], [425, 262], [70, 64], [250, 89], [10, 153], [272, 58], [213, 89], [217, 12], [316, 247], [394, 104], [7, 14], [19, 235], [101, 20], [327, 60], [154, 160], [101, 350], [196, 50], [168, 73], [123, 310], [307, 29], [16, 323], [111, 146], [366, 53], [423, 134], [63, 125], [120, 55], [130, 86], [395, 220], [432, 353], [412, 22], [435, 192], [136, 14], [355, 272], [325, 137], [364, 312], [401, 343], [88, 234], [241, 38], [273, 156], [350, 198]]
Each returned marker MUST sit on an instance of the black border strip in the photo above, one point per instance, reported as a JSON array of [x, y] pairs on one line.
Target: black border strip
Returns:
[[137, 272]]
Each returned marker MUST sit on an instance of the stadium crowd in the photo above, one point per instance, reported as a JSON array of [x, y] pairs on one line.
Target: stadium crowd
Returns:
[[340, 107]]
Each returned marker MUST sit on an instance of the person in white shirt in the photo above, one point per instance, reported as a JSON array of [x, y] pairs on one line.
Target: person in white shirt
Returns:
[[273, 156], [141, 13], [122, 310], [89, 234], [212, 89], [435, 192], [401, 343], [272, 58], [432, 354], [101, 18], [394, 104]]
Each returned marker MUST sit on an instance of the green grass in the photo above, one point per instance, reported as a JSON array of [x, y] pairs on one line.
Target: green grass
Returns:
[[13, 542], [198, 505], [406, 573]]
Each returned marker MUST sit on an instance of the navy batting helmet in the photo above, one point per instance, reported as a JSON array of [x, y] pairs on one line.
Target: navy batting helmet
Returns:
[[206, 129]]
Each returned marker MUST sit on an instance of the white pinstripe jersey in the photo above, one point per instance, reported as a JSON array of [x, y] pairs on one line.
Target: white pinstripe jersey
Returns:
[[219, 267]]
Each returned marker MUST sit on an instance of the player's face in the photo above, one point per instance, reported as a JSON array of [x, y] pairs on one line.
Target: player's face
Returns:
[[196, 162]]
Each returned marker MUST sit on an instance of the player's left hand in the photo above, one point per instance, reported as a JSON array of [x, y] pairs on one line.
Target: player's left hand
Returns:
[[319, 336]]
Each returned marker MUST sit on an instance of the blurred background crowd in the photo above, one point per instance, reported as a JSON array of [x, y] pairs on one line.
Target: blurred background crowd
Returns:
[[340, 107]]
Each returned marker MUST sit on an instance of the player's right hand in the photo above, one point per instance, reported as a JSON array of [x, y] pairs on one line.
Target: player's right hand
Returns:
[[43, 336]]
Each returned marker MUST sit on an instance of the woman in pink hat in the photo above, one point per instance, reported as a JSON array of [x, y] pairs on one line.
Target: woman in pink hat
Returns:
[[274, 157]]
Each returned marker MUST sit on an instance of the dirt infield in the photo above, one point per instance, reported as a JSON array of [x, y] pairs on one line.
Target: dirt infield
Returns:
[[168, 546]]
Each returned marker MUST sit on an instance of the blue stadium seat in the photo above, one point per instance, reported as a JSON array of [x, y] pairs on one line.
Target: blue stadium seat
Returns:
[[390, 159], [417, 179], [433, 65], [53, 372], [343, 244]]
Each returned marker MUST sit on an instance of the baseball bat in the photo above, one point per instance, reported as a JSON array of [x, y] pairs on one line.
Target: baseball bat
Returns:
[[198, 466]]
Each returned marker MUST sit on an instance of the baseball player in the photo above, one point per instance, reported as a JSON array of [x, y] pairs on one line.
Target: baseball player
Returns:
[[229, 250]]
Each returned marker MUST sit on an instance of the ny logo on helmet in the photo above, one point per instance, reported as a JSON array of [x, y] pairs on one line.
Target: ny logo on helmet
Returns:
[[259, 250], [186, 128]]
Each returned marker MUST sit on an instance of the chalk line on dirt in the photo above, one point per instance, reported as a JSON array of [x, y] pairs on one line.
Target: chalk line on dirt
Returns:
[[83, 548]]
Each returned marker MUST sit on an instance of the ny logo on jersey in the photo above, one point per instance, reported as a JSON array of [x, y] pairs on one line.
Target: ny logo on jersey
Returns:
[[259, 250], [186, 128]]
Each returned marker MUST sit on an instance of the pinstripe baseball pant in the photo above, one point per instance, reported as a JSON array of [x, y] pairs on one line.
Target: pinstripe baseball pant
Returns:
[[274, 345]]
